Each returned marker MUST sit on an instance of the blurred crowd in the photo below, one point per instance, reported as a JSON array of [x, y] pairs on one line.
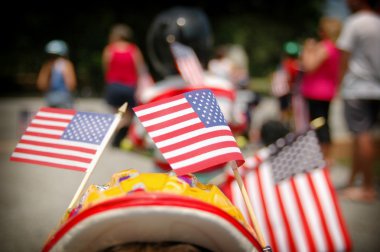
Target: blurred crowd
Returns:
[[341, 61]]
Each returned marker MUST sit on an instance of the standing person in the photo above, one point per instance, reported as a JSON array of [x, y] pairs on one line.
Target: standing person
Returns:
[[57, 77], [123, 63], [319, 84], [284, 80], [360, 46]]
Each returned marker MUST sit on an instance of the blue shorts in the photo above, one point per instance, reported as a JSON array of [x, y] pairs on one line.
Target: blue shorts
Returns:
[[117, 94], [59, 99]]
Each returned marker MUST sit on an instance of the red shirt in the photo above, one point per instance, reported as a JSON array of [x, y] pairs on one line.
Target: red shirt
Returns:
[[121, 67], [291, 66]]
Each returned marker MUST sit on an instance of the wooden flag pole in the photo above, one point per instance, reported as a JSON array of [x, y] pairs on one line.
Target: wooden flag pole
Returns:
[[239, 180], [315, 124], [119, 115]]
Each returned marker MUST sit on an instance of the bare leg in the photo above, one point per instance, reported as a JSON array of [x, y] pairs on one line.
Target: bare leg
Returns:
[[366, 155], [355, 161], [326, 150], [363, 159]]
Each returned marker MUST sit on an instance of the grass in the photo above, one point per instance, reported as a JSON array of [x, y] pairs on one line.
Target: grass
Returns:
[[260, 85]]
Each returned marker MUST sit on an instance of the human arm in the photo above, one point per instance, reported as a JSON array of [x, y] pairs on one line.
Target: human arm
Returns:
[[43, 76], [344, 59], [140, 63], [70, 76], [145, 79], [346, 44], [313, 55], [105, 58]]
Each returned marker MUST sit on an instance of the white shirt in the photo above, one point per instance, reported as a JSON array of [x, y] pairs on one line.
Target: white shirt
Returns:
[[361, 37], [221, 67]]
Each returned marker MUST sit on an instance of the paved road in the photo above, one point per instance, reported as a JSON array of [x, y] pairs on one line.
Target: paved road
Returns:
[[34, 198]]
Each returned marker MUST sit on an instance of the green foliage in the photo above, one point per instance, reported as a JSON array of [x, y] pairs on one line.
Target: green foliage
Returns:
[[263, 36]]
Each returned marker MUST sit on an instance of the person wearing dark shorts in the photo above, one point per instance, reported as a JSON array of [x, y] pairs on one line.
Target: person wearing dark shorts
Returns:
[[361, 115], [359, 43], [319, 85], [117, 94], [123, 64]]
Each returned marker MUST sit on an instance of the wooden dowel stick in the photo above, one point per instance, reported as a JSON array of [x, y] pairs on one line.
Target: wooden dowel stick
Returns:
[[248, 204], [89, 171]]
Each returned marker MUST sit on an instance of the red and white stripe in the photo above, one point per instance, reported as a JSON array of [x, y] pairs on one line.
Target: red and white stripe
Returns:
[[299, 214], [182, 138], [188, 64], [41, 143]]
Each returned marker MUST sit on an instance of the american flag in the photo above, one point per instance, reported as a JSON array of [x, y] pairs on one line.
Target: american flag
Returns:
[[190, 131], [63, 138], [292, 196], [188, 64]]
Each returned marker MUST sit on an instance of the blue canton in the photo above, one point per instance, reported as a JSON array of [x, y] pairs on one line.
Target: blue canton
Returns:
[[206, 106], [88, 127]]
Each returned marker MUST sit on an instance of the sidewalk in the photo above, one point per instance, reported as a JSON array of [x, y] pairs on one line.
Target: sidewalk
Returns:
[[33, 199]]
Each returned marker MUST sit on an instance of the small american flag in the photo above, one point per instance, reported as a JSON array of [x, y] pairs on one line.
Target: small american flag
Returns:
[[188, 64], [190, 131], [63, 138], [292, 196]]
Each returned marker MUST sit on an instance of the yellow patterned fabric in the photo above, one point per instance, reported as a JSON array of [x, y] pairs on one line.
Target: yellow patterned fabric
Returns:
[[130, 181]]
